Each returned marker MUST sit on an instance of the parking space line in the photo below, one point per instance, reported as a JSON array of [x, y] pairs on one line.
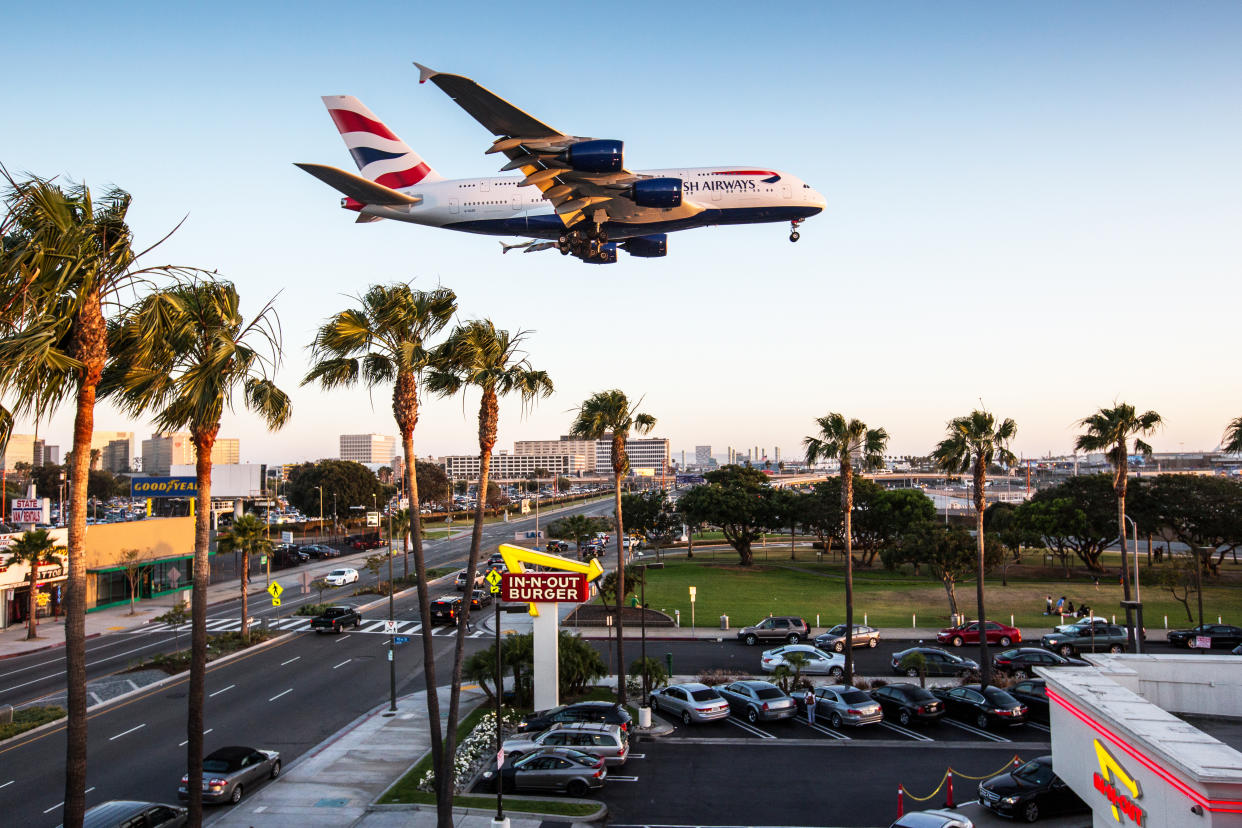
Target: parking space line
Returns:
[[612, 778], [6, 784], [904, 732], [632, 756], [749, 728], [1038, 726], [827, 731], [976, 731]]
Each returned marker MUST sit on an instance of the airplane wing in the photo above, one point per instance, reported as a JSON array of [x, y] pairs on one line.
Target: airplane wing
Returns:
[[543, 155]]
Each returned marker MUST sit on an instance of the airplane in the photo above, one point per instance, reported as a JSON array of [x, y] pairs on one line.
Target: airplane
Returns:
[[574, 194]]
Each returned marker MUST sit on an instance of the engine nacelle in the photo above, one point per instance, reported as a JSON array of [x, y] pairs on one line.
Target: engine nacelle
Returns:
[[656, 192], [647, 247], [604, 155]]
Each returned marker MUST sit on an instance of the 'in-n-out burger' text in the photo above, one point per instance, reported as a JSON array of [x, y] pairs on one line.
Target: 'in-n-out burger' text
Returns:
[[543, 587]]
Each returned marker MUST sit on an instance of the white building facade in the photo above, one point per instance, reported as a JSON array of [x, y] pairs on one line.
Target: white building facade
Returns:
[[368, 448]]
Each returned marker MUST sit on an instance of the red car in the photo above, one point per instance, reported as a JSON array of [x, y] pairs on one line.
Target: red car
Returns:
[[968, 633]]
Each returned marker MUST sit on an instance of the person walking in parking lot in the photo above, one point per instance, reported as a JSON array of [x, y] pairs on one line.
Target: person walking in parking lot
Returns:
[[809, 699]]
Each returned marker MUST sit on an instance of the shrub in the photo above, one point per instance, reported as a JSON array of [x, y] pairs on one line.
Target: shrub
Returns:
[[311, 609], [714, 678], [29, 718]]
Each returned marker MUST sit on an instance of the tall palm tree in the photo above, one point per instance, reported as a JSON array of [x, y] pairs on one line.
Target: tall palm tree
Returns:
[[1110, 430], [385, 340], [64, 260], [477, 355], [34, 548], [249, 535], [186, 354], [1232, 441], [848, 442], [972, 444], [608, 415], [401, 525]]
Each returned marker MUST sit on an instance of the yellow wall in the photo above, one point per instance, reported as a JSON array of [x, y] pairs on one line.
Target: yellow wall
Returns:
[[154, 538]]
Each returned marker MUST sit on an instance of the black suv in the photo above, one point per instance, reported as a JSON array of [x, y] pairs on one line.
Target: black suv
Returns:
[[907, 703], [1021, 662], [589, 711], [445, 610]]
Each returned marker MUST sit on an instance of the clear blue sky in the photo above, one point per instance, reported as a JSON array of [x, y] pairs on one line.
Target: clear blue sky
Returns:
[[1033, 204]]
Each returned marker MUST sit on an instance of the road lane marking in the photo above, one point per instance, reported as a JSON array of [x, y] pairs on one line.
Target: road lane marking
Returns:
[[187, 741], [32, 681], [341, 638], [6, 784], [127, 732], [222, 690], [904, 732], [290, 661], [278, 695], [343, 663], [976, 731], [749, 728]]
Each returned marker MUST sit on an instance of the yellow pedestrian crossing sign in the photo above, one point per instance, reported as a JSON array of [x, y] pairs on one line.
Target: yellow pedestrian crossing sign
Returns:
[[275, 602], [275, 589], [493, 581]]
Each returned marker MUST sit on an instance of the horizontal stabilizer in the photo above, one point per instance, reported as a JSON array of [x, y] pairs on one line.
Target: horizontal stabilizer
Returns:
[[357, 187]]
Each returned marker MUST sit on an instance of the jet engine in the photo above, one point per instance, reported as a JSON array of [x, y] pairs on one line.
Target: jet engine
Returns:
[[647, 247], [656, 192], [596, 156]]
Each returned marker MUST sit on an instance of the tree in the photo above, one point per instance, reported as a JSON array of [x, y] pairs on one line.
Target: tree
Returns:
[[319, 585], [972, 444], [401, 527], [950, 555], [433, 482], [35, 548], [609, 415], [1205, 513], [651, 515], [882, 517], [848, 442], [1079, 515], [384, 340], [1177, 575], [187, 354], [67, 257], [174, 618], [1110, 430], [249, 536], [608, 585], [738, 500], [352, 483], [131, 563], [578, 528], [1231, 443]]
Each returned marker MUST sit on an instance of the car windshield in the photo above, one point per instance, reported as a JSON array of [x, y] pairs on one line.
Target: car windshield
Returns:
[[918, 694], [855, 697], [770, 693], [839, 629], [338, 572], [1037, 773], [583, 758], [999, 697], [706, 694], [1009, 654], [956, 659]]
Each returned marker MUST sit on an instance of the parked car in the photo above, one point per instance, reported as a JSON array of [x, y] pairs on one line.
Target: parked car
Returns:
[[1223, 636], [1034, 694], [463, 578], [691, 702], [126, 813], [789, 628], [336, 619], [607, 741], [1030, 792], [341, 577], [981, 706], [551, 769], [480, 598], [1098, 623], [936, 662], [326, 551], [445, 609], [758, 701], [834, 639], [1086, 640], [968, 633], [816, 662], [938, 818], [846, 706], [908, 703], [589, 711], [1022, 661], [230, 771]]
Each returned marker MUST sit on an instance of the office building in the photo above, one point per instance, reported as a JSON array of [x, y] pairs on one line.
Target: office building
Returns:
[[565, 445], [163, 451], [21, 449], [702, 456], [368, 448], [648, 453], [514, 466], [116, 450]]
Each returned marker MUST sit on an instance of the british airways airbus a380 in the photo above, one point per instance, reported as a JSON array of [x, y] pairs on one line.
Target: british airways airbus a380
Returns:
[[575, 194]]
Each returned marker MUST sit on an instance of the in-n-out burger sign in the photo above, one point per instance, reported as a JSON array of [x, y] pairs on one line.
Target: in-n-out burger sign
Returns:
[[543, 587], [1108, 777]]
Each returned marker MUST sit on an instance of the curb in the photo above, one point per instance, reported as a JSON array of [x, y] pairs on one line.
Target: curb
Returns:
[[45, 649], [600, 814]]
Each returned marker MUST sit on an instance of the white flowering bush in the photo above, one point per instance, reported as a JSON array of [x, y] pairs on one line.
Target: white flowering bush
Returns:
[[477, 748]]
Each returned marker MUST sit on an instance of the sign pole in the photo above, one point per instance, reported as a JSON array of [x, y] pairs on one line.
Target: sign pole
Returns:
[[500, 786], [392, 643]]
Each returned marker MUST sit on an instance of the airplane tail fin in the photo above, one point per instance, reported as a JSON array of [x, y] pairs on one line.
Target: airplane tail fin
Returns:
[[380, 155]]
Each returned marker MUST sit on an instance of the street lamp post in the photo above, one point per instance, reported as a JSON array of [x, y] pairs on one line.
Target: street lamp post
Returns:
[[392, 631], [642, 599], [320, 488], [499, 681], [1138, 595]]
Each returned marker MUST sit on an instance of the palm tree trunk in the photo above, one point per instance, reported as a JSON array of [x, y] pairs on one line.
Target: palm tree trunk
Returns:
[[204, 439], [621, 695], [847, 515], [985, 664], [32, 630], [245, 613]]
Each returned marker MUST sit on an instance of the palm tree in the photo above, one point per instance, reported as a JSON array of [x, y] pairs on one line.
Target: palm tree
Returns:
[[34, 548], [186, 353], [477, 355], [384, 340], [64, 259], [248, 535], [848, 442], [609, 415], [401, 525], [1232, 441], [972, 444], [1110, 430]]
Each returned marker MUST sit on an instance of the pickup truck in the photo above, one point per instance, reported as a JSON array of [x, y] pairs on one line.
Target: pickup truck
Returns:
[[335, 619]]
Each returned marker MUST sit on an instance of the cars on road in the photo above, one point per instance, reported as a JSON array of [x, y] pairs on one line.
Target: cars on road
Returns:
[[341, 577], [230, 771], [936, 662], [968, 633], [815, 662], [937, 818], [758, 701], [552, 769], [1222, 636], [607, 741], [1034, 694], [445, 609], [1096, 622], [788, 628], [480, 598], [336, 619], [1021, 662], [463, 578], [844, 706], [1030, 792], [127, 813], [692, 703], [907, 704], [834, 639], [589, 711], [557, 546], [1086, 640], [982, 707]]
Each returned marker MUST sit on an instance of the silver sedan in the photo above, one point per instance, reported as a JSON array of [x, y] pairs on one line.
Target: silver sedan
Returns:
[[758, 701], [815, 662], [846, 706], [691, 702]]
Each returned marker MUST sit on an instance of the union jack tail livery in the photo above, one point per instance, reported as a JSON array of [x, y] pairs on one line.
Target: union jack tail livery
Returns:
[[380, 155]]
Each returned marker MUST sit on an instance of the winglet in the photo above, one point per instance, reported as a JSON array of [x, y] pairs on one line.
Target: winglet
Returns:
[[425, 73]]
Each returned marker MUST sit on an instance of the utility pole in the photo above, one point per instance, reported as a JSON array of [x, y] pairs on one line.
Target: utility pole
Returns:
[[500, 807], [392, 630]]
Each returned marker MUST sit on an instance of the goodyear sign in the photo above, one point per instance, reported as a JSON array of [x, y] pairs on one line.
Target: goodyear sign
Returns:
[[163, 486]]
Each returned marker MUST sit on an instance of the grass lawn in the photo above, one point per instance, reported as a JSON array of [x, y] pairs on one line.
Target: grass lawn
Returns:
[[805, 587], [29, 718]]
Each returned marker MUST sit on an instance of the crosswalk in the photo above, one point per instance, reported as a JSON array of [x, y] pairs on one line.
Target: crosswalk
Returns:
[[302, 624]]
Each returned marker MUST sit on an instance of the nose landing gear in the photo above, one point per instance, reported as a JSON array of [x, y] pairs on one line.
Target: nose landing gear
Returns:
[[794, 235]]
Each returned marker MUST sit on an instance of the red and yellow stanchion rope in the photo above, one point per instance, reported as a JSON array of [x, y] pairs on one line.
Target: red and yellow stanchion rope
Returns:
[[947, 779]]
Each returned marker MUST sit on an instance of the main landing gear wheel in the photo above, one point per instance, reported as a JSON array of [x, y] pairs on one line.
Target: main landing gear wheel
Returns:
[[794, 236]]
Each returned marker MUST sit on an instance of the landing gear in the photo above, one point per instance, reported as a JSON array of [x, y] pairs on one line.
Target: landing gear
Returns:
[[585, 244], [794, 235]]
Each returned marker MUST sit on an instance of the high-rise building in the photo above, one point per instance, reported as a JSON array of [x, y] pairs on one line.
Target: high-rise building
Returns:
[[555, 448], [368, 448], [163, 451], [116, 449], [226, 452], [513, 466], [21, 449], [702, 456], [644, 453]]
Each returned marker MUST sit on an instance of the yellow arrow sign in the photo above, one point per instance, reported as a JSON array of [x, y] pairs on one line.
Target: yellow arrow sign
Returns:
[[515, 556], [275, 589]]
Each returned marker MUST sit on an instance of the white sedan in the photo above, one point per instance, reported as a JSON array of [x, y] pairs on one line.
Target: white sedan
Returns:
[[341, 577], [815, 662]]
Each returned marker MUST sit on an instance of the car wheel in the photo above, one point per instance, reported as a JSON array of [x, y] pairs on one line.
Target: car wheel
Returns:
[[1030, 811], [685, 717], [576, 788], [839, 647], [276, 769], [236, 796], [1020, 674], [794, 638], [835, 721], [752, 715], [957, 641], [872, 642], [750, 640], [981, 721], [836, 673], [1067, 650], [1116, 648], [903, 718], [1005, 641], [912, 672]]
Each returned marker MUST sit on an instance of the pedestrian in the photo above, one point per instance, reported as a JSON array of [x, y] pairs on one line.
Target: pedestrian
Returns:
[[1048, 605], [1061, 605], [1096, 580], [809, 700], [1069, 608]]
